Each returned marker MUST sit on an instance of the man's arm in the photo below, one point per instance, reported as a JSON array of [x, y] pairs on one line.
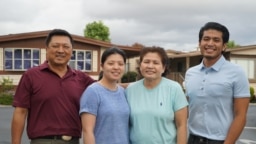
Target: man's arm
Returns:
[[181, 125], [237, 126], [18, 124]]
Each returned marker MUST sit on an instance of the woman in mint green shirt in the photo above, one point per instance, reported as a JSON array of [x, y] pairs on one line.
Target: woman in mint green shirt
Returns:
[[158, 105]]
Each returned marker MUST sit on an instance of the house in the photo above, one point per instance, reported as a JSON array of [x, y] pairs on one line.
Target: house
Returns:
[[18, 52]]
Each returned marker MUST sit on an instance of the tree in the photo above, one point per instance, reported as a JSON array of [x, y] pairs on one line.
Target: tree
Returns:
[[231, 44], [97, 30], [138, 45]]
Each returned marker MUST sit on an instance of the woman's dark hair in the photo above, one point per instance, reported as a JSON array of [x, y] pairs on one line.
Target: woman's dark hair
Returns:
[[215, 26], [58, 32], [100, 75], [161, 52], [111, 51]]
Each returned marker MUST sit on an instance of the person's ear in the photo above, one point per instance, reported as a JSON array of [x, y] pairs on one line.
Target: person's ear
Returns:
[[224, 47]]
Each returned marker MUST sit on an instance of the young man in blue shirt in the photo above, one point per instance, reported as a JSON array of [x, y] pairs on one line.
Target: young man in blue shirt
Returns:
[[218, 91]]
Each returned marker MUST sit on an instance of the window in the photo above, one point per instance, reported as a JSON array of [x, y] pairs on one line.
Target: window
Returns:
[[20, 59], [127, 67], [247, 65], [81, 60]]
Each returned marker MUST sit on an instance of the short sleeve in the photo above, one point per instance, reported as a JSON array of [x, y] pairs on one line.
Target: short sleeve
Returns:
[[180, 100], [241, 85], [23, 92], [89, 101]]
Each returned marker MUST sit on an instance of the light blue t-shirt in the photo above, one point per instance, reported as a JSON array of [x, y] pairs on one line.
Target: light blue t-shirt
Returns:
[[152, 111], [211, 93], [112, 113]]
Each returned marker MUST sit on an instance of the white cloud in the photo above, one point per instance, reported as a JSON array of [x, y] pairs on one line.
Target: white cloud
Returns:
[[169, 24]]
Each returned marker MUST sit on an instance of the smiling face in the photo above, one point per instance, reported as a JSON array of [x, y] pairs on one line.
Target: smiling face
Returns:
[[113, 67], [211, 46], [59, 51], [151, 66]]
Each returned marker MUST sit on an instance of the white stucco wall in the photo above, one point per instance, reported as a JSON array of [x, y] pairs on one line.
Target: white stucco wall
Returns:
[[1, 59], [43, 55], [133, 64], [14, 78], [94, 61]]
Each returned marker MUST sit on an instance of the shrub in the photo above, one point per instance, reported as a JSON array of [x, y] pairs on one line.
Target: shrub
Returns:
[[6, 99], [252, 98], [6, 85], [6, 91], [129, 77]]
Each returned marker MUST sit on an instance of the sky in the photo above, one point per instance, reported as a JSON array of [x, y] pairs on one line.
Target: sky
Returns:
[[171, 24]]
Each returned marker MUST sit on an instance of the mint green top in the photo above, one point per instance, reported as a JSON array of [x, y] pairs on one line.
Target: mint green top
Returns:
[[152, 111]]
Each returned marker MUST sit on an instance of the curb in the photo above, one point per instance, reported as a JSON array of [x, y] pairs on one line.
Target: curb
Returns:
[[254, 104], [2, 106]]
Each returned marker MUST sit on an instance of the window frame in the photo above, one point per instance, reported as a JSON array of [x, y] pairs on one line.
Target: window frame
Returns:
[[247, 64], [22, 57], [80, 58]]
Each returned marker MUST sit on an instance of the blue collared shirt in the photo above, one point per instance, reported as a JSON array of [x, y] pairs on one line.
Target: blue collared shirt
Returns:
[[211, 92]]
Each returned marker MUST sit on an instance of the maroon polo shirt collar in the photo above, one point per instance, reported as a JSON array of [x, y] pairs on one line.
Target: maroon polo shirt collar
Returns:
[[46, 66]]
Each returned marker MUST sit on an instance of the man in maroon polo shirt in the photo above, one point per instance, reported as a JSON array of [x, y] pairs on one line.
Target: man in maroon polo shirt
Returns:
[[48, 96]]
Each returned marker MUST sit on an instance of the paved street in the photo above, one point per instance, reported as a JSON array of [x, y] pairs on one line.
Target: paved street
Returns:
[[248, 136]]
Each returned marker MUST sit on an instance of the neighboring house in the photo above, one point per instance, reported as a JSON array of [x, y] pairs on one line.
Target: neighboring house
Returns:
[[18, 52], [244, 56]]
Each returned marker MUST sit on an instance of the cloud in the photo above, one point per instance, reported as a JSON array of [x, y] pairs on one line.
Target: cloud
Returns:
[[169, 24]]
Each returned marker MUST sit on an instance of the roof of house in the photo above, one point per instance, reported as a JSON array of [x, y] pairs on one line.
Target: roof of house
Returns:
[[130, 51], [241, 48], [177, 54]]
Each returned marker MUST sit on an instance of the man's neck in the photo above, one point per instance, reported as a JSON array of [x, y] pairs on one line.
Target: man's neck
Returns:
[[208, 62], [60, 70]]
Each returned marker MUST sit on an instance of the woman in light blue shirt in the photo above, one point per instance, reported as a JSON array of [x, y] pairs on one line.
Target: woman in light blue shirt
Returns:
[[158, 105], [103, 107]]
